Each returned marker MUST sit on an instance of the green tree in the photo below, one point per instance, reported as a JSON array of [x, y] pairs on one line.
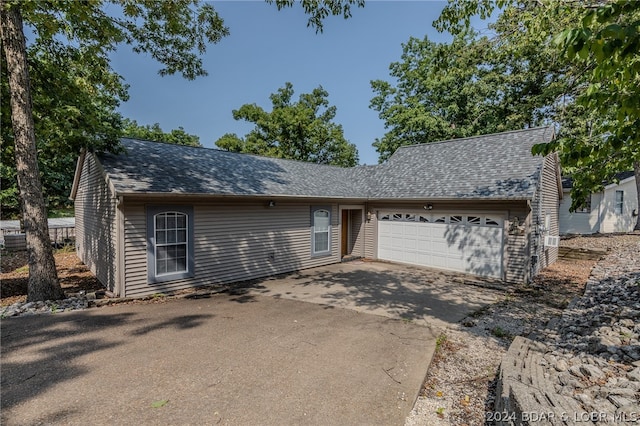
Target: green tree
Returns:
[[319, 10], [303, 130], [607, 44], [71, 109], [477, 85], [442, 92], [598, 134], [174, 33], [154, 132]]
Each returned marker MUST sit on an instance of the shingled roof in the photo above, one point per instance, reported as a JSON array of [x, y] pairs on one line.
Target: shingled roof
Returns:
[[567, 181], [497, 166], [152, 167]]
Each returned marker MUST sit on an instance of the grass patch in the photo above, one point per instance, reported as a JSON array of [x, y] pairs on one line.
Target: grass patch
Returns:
[[61, 212], [501, 333], [158, 404], [22, 270], [440, 341]]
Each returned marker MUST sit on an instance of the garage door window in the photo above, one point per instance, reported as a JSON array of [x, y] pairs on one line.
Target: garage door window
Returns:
[[491, 222], [455, 219], [474, 220], [480, 220], [321, 231]]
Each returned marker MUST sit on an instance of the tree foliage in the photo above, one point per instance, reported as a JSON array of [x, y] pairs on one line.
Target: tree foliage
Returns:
[[77, 108], [607, 43], [598, 134], [319, 10], [154, 132], [71, 110], [477, 84], [300, 130]]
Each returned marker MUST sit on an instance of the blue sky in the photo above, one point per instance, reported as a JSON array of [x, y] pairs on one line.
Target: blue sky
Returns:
[[267, 48]]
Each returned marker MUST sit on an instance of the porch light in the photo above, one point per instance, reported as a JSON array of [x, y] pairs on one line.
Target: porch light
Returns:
[[271, 203], [428, 207]]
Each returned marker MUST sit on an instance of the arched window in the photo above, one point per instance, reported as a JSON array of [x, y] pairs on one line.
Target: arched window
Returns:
[[321, 231], [169, 243]]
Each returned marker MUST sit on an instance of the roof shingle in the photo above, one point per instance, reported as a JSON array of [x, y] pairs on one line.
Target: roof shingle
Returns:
[[498, 166]]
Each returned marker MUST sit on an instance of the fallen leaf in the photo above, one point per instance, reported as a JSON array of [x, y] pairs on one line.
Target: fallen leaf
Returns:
[[158, 404]]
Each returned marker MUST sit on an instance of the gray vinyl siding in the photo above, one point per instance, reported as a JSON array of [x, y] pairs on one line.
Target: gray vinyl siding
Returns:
[[371, 234], [545, 202], [357, 233], [96, 230], [516, 246], [233, 241]]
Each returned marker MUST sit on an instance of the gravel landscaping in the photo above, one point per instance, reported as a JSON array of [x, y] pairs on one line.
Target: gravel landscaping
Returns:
[[460, 385]]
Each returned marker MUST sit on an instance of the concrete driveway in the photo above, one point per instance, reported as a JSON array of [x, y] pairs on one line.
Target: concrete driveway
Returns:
[[226, 359], [424, 296]]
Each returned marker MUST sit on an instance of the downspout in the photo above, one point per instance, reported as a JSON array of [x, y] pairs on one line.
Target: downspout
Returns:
[[120, 248], [600, 212]]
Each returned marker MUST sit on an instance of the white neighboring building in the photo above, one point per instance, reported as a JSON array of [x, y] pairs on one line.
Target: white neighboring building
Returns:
[[613, 210]]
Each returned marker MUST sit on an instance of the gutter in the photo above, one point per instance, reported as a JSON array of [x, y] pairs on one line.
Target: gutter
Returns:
[[154, 195]]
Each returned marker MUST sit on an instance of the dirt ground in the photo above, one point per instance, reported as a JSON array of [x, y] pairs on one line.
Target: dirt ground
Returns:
[[14, 275]]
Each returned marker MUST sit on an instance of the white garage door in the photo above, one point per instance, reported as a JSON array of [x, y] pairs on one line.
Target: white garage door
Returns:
[[465, 243]]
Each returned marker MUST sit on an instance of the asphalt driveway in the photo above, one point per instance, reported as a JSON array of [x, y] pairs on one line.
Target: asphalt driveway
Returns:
[[262, 355], [226, 359], [423, 296]]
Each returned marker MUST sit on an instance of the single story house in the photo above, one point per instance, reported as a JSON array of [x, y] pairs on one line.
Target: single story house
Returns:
[[161, 217], [614, 209]]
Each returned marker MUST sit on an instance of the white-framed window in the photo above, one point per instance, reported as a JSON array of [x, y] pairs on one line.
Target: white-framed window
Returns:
[[169, 243], [320, 231], [170, 229], [619, 205], [586, 208]]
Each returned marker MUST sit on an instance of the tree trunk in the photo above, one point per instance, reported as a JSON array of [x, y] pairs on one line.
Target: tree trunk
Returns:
[[636, 172], [43, 279]]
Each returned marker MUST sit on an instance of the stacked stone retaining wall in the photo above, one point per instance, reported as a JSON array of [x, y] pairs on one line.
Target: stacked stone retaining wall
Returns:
[[585, 369]]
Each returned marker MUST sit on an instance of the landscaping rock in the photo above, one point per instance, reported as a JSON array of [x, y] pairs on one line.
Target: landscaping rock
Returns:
[[595, 349]]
